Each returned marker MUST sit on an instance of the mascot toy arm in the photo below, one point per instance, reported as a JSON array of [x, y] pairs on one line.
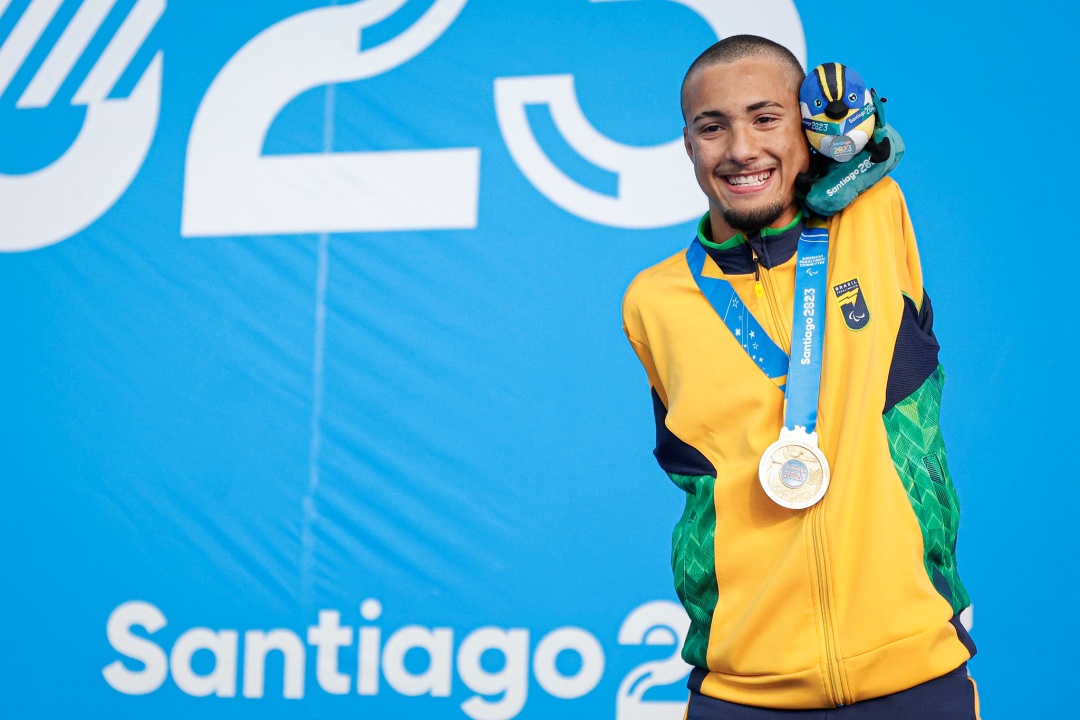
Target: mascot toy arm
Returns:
[[852, 146]]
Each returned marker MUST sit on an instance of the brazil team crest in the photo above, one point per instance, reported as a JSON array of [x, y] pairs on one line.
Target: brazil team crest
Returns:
[[852, 304]]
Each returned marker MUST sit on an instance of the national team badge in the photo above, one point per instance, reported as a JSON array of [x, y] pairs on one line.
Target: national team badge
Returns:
[[852, 304]]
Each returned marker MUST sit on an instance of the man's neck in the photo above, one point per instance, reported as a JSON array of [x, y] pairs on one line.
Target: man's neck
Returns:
[[722, 232]]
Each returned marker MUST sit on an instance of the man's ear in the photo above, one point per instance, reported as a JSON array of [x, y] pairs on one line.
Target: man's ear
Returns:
[[686, 143]]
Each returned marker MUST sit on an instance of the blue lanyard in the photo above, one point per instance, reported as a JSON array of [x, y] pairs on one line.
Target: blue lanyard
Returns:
[[799, 376]]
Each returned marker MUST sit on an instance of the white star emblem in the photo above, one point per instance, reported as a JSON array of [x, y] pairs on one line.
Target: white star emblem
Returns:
[[738, 332], [755, 344], [751, 333], [734, 302]]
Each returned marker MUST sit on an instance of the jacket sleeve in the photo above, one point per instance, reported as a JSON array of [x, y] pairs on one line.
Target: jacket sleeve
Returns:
[[907, 253], [634, 330], [915, 355], [677, 458]]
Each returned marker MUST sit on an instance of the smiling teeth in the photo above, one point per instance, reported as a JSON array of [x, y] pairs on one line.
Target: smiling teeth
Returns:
[[758, 179]]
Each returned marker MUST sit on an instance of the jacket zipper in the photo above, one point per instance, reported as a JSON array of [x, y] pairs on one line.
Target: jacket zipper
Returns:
[[835, 684], [816, 518], [763, 288]]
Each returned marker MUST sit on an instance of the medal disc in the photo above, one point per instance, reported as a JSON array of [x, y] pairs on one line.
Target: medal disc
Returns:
[[793, 471]]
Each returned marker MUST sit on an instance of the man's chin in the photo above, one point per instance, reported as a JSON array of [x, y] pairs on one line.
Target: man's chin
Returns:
[[753, 219]]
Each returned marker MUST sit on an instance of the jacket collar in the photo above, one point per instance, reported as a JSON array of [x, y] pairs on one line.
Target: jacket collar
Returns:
[[735, 256]]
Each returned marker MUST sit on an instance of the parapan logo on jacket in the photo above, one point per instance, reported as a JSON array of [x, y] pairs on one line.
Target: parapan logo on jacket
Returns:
[[852, 304]]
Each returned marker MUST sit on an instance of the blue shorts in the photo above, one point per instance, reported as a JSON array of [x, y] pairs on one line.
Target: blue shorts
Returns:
[[949, 697]]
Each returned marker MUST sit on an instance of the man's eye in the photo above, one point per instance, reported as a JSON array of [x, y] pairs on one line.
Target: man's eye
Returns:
[[766, 119], [710, 128]]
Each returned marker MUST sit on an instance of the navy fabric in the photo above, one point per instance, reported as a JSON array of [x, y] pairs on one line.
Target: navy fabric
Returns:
[[962, 633], [697, 675], [915, 356], [772, 250], [674, 455], [949, 697]]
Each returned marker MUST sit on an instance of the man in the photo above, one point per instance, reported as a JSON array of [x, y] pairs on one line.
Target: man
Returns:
[[836, 598]]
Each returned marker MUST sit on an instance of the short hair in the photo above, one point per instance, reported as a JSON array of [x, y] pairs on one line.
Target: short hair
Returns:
[[738, 47]]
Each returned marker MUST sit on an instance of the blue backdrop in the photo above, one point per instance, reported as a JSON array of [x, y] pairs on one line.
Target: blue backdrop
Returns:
[[315, 399]]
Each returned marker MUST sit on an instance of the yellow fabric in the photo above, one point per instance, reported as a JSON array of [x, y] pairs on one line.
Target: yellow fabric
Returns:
[[829, 605]]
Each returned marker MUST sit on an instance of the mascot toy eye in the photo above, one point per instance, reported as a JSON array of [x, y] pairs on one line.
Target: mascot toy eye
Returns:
[[837, 110]]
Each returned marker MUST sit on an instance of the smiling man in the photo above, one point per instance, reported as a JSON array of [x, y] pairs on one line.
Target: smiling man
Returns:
[[746, 157], [796, 388]]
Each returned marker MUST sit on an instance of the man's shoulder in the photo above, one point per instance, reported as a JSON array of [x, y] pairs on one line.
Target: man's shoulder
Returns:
[[883, 195], [651, 289], [658, 277]]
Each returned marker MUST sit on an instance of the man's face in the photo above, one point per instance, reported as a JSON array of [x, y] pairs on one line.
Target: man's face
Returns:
[[744, 134]]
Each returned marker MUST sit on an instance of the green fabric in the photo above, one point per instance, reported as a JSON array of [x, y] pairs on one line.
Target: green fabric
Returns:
[[704, 231], [693, 562], [769, 232], [918, 453]]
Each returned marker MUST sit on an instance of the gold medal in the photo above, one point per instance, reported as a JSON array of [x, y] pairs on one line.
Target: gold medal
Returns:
[[793, 471]]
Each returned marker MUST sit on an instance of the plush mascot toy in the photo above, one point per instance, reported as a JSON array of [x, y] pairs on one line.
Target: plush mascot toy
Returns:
[[852, 145]]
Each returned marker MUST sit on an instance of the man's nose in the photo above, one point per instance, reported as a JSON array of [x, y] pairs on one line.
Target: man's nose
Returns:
[[743, 147]]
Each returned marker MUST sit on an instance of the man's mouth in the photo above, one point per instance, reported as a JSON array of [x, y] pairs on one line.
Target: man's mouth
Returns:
[[749, 183], [748, 180]]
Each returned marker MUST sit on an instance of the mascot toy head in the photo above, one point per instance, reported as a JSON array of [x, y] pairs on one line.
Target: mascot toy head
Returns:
[[837, 110]]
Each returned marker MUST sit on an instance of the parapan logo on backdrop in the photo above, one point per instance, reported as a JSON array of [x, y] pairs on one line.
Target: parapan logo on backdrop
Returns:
[[240, 661], [55, 202], [231, 188]]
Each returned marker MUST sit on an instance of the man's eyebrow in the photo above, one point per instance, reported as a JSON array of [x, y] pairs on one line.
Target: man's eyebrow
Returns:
[[710, 114], [749, 108]]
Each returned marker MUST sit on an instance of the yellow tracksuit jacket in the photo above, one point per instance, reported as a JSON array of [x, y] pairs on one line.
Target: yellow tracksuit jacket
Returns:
[[858, 596]]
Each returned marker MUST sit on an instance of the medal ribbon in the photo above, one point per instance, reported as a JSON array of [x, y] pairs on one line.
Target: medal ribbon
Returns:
[[803, 370], [744, 327], [807, 330]]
